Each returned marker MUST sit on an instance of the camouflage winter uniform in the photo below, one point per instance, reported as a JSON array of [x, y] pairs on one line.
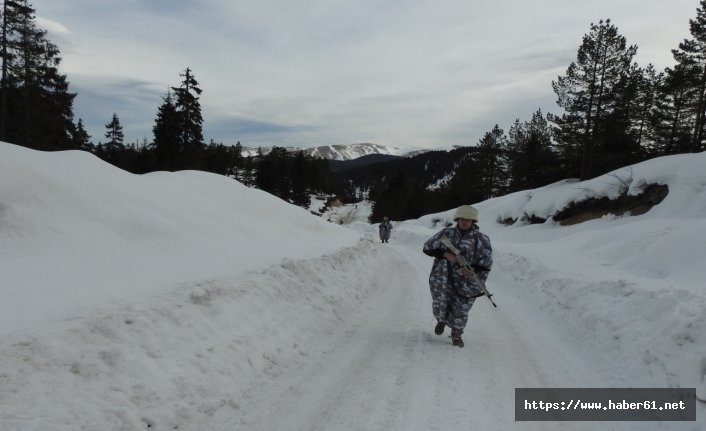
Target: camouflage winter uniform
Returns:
[[384, 230], [452, 294]]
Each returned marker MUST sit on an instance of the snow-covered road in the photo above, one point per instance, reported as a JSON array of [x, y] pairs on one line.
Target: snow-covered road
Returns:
[[386, 370]]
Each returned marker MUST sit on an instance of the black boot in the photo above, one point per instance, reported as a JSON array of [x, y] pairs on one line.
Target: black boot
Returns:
[[439, 328], [457, 341]]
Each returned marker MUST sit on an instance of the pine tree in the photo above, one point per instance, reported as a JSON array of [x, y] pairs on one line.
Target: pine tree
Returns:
[[281, 172], [647, 82], [465, 185], [167, 140], [320, 176], [264, 173], [81, 138], [36, 108], [691, 59], [531, 160], [190, 121], [247, 175], [492, 161], [671, 118], [619, 143], [588, 93], [237, 162], [299, 172], [114, 134], [113, 151]]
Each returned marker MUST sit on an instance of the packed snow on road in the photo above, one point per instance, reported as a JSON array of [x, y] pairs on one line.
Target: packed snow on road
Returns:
[[187, 301]]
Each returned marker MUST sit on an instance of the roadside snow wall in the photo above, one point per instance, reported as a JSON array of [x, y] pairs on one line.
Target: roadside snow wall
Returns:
[[186, 355]]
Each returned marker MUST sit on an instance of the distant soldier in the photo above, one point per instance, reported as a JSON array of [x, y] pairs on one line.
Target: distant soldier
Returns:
[[385, 229], [453, 291]]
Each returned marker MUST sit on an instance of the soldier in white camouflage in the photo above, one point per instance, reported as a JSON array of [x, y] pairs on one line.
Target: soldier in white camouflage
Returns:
[[453, 291], [385, 229]]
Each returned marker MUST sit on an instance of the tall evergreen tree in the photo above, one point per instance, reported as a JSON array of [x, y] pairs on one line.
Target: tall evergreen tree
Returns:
[[114, 151], [167, 139], [619, 141], [588, 93], [247, 174], [190, 120], [492, 161], [238, 162], [465, 185], [36, 108], [671, 118], [531, 160], [320, 176], [114, 134], [281, 172], [264, 173], [299, 173], [691, 58], [81, 138], [647, 82]]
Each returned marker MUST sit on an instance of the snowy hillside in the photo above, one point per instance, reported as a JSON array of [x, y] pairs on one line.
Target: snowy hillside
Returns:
[[87, 234], [187, 301]]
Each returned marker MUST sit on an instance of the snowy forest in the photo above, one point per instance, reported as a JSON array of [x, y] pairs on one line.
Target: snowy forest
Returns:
[[612, 112]]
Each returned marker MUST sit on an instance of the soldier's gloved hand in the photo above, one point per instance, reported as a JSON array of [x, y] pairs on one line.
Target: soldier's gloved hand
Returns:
[[464, 272], [450, 257]]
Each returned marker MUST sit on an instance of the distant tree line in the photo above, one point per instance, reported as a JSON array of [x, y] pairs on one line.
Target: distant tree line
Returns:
[[614, 112], [426, 168], [293, 176]]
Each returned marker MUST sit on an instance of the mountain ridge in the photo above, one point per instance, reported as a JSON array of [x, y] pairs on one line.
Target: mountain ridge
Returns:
[[345, 152]]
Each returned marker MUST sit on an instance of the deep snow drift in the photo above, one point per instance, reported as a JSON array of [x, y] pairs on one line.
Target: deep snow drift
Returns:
[[187, 301], [78, 233]]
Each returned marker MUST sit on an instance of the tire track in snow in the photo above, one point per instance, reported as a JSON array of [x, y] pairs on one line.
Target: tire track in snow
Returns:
[[362, 381]]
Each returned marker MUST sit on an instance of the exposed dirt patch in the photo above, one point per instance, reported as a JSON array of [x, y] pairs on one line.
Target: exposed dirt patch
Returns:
[[593, 208]]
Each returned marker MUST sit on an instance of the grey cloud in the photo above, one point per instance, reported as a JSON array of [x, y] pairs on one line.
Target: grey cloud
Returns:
[[134, 101], [319, 71], [250, 132]]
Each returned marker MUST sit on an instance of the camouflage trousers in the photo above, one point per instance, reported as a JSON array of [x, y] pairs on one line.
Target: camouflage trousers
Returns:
[[450, 308]]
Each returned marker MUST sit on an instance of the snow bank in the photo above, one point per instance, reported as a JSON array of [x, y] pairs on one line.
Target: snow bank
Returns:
[[78, 234], [187, 355], [683, 173]]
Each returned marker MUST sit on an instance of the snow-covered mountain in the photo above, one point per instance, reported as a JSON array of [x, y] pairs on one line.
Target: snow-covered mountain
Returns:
[[186, 301], [353, 151], [347, 152]]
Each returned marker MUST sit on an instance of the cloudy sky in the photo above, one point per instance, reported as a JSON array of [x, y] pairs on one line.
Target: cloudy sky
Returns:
[[405, 73]]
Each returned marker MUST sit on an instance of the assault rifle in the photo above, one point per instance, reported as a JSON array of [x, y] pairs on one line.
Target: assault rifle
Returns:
[[462, 263]]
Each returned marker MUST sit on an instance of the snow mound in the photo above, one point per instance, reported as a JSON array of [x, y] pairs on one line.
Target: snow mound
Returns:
[[195, 353], [682, 173], [77, 233]]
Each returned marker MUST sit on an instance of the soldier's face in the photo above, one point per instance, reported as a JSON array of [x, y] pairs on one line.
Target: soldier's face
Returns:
[[464, 223]]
